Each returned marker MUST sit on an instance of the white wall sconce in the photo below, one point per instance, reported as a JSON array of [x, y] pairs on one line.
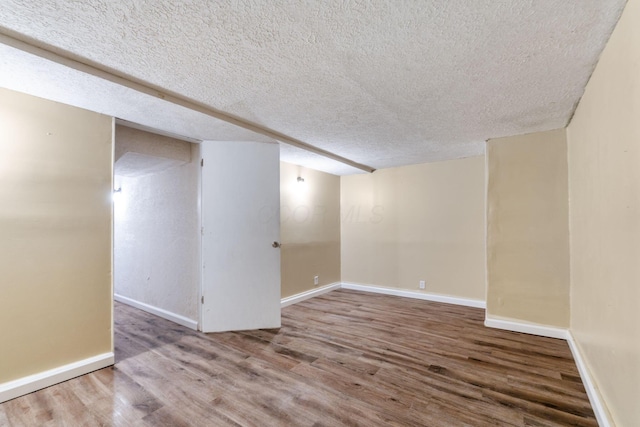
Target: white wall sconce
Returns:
[[117, 192]]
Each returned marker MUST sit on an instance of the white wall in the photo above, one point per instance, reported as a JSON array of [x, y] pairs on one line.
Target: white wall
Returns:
[[156, 230]]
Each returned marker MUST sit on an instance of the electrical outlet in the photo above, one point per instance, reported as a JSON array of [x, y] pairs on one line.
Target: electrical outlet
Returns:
[[422, 284], [315, 280]]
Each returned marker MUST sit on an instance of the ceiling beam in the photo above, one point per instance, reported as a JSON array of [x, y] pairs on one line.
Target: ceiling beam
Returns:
[[97, 70]]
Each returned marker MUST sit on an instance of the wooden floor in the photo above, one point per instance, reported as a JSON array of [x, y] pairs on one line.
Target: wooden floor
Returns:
[[344, 358]]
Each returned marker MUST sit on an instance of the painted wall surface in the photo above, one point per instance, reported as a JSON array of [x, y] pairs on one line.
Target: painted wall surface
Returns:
[[156, 225], [527, 228], [421, 222], [604, 188], [309, 228], [55, 223]]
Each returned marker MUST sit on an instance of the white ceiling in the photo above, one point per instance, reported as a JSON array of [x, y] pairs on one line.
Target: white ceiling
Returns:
[[382, 83]]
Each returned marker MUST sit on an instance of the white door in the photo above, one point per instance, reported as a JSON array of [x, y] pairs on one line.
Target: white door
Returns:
[[241, 222]]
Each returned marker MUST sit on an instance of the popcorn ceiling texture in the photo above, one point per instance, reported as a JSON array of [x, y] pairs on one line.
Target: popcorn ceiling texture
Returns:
[[30, 74], [384, 83]]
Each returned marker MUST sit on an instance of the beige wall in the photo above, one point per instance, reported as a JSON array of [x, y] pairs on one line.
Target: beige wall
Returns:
[[55, 223], [310, 228], [412, 223], [604, 188], [527, 228]]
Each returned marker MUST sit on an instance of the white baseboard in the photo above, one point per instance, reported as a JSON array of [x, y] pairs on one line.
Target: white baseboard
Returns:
[[176, 318], [597, 403], [416, 295], [12, 389], [293, 299], [527, 328]]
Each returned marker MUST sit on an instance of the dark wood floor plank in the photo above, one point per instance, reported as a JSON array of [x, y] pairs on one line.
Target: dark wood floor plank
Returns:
[[341, 359]]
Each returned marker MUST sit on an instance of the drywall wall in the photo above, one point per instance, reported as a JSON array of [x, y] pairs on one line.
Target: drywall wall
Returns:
[[309, 228], [55, 223], [156, 222], [527, 228], [412, 223], [604, 188]]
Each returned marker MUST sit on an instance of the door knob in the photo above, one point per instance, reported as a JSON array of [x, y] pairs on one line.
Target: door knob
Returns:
[[276, 244]]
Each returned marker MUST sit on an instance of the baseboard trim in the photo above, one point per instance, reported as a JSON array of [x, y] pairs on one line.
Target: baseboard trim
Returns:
[[416, 295], [294, 299], [597, 402], [527, 328], [20, 387], [381, 290], [176, 318]]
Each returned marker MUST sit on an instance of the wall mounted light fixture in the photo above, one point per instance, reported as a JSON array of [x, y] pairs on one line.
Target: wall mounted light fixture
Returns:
[[300, 180], [116, 193]]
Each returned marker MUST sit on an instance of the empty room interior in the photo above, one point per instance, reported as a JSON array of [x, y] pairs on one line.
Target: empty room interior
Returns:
[[256, 213]]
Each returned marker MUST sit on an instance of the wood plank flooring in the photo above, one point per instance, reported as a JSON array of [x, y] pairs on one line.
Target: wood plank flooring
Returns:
[[342, 359]]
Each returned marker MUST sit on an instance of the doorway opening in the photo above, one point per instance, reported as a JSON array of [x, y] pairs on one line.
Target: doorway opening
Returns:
[[156, 225]]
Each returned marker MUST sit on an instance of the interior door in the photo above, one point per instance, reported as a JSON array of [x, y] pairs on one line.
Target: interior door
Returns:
[[241, 222]]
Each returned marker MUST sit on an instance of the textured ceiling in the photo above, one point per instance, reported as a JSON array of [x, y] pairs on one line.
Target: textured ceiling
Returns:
[[383, 83]]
